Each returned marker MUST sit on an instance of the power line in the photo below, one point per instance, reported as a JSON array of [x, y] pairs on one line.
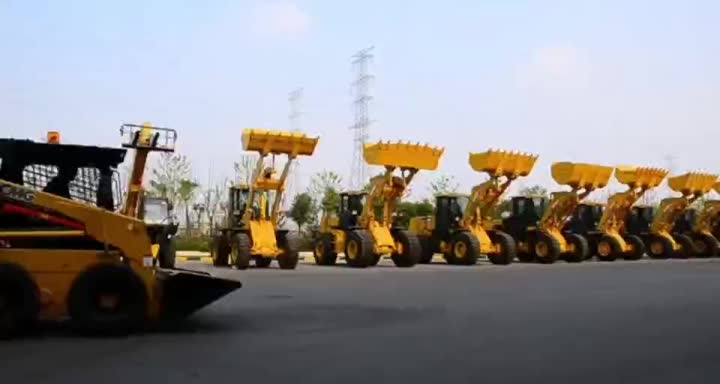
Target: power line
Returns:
[[361, 124]]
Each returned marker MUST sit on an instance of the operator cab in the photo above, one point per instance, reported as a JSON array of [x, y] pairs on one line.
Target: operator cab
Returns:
[[449, 212], [526, 212], [238, 200], [640, 219], [351, 208], [585, 218], [686, 221], [79, 172]]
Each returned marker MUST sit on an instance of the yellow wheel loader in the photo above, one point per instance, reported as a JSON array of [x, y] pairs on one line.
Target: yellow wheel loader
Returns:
[[462, 228], [65, 252], [614, 241], [703, 226], [538, 226], [252, 230], [356, 230], [662, 240]]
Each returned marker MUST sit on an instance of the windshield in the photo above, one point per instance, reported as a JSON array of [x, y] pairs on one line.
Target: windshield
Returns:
[[156, 211], [463, 202]]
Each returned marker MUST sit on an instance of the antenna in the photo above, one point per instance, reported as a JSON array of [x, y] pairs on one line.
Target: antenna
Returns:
[[361, 92]]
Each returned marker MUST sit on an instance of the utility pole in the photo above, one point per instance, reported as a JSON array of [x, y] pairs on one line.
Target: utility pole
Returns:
[[361, 124]]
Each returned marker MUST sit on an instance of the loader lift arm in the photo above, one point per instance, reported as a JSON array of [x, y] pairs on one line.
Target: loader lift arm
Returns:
[[387, 189]]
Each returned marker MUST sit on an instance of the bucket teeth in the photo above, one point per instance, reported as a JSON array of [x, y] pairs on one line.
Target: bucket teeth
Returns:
[[502, 163], [693, 183], [278, 142], [404, 155], [579, 175], [644, 177]]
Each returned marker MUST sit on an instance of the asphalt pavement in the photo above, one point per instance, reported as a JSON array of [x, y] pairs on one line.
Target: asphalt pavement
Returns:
[[623, 322]]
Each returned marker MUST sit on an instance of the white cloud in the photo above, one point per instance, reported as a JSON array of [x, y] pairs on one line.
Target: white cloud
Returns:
[[280, 19]]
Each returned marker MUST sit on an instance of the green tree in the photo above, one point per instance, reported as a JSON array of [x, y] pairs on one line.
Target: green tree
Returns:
[[444, 184], [534, 190], [186, 193], [167, 175], [302, 209], [325, 187]]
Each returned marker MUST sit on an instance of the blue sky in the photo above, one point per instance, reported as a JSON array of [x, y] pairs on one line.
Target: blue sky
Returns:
[[613, 82]]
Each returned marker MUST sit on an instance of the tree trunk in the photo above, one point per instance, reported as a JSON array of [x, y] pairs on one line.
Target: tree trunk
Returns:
[[187, 221]]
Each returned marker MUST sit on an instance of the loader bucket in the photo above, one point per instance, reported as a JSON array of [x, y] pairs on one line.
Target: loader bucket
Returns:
[[578, 175], [642, 177], [404, 155], [716, 187], [692, 183], [278, 142], [502, 163], [185, 291]]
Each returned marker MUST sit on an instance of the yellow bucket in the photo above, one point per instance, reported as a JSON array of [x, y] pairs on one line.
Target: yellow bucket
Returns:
[[278, 142], [692, 183], [579, 175], [717, 187], [643, 177], [403, 155], [503, 163]]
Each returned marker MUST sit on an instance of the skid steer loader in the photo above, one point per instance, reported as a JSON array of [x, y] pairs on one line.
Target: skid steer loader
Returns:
[[661, 239], [539, 230], [462, 228], [703, 226], [66, 253], [252, 230], [356, 230], [614, 240]]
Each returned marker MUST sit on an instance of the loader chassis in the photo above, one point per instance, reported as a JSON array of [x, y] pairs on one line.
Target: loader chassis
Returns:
[[66, 254], [252, 222], [363, 234]]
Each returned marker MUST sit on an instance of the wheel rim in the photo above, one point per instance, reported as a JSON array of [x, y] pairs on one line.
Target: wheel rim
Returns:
[[604, 249], [542, 249], [352, 250], [701, 247], [657, 248], [460, 250]]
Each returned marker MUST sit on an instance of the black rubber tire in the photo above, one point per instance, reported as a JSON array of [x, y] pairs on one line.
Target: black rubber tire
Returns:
[[364, 243], [262, 262], [240, 247], [665, 250], [471, 245], [106, 279], [687, 246], [289, 243], [166, 253], [638, 248], [706, 245], [411, 249], [324, 250], [375, 259], [508, 248], [219, 250], [581, 248], [553, 248], [19, 300], [612, 244], [427, 249]]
